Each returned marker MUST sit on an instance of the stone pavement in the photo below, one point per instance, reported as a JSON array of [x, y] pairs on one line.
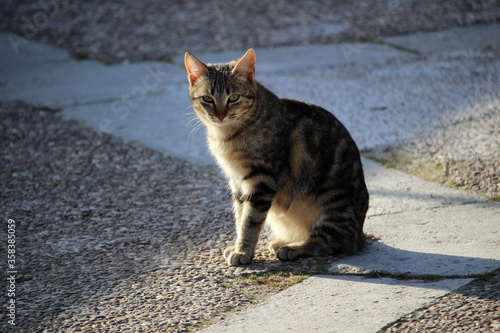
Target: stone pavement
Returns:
[[382, 93]]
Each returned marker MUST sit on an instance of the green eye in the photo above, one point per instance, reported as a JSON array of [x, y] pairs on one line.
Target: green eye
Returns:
[[208, 99], [234, 98]]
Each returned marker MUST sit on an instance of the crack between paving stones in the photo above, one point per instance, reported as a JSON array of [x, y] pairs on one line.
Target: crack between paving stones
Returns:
[[398, 47], [423, 277], [447, 205], [99, 101]]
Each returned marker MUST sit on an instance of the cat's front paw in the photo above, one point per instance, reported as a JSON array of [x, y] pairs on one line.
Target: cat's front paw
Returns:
[[288, 253], [237, 258]]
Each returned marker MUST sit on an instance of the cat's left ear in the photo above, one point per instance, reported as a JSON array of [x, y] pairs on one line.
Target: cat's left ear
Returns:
[[195, 68], [246, 65]]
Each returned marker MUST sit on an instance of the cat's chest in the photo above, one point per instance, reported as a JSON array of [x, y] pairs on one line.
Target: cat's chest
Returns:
[[234, 160]]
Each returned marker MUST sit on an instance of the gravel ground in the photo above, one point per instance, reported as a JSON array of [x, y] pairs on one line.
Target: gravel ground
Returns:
[[115, 237], [472, 308], [114, 31]]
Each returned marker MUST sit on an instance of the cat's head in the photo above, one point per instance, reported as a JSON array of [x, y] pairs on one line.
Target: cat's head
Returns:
[[222, 94]]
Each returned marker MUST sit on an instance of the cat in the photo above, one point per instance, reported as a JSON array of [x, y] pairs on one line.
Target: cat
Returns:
[[290, 164]]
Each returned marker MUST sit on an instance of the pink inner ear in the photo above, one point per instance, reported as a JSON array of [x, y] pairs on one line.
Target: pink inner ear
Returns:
[[195, 68], [246, 65], [193, 77]]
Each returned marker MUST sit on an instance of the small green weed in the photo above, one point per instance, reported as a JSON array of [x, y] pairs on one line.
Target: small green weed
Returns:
[[495, 197]]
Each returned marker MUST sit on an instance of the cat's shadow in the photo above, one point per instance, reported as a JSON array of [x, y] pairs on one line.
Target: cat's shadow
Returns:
[[381, 263], [392, 261]]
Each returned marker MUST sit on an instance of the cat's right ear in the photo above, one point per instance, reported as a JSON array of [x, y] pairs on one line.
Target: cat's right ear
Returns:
[[246, 65], [195, 68]]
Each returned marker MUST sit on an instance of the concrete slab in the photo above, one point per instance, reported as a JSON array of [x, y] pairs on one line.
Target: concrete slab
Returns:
[[59, 85], [17, 51], [337, 304], [454, 240], [471, 38], [45, 76], [382, 104], [392, 191], [159, 122], [306, 56]]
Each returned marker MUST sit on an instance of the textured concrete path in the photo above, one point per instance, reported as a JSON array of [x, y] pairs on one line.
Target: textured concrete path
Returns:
[[382, 93]]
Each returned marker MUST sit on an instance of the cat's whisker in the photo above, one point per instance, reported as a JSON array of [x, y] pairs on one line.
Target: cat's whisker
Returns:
[[193, 118], [189, 107], [193, 131], [244, 128], [191, 115], [242, 125]]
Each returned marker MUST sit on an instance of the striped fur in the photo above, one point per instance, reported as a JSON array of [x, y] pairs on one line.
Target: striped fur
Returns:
[[290, 164]]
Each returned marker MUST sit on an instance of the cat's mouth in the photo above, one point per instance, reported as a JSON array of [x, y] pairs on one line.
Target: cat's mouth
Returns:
[[218, 123], [222, 121]]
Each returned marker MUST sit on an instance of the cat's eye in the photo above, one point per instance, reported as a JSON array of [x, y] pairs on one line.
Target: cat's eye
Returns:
[[233, 98], [208, 99]]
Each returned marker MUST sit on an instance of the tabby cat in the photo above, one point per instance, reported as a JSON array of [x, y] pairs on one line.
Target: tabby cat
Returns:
[[290, 164]]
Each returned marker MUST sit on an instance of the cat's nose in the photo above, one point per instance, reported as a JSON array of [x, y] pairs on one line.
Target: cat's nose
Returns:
[[221, 113]]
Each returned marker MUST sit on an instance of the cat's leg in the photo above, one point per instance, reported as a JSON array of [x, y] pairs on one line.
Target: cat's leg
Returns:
[[340, 233], [339, 229], [231, 251], [250, 213], [310, 248]]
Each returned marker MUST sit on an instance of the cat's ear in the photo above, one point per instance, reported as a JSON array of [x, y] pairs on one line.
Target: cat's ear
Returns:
[[246, 65], [195, 68]]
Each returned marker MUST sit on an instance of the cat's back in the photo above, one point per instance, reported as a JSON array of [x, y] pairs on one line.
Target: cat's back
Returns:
[[298, 110], [321, 149], [316, 125]]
